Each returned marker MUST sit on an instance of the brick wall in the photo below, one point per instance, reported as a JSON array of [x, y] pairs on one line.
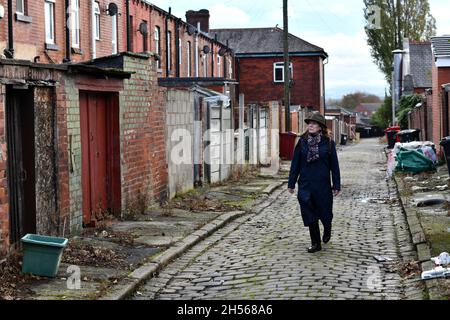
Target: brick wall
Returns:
[[180, 116], [29, 37], [69, 152], [4, 203], [440, 76], [256, 81], [143, 151]]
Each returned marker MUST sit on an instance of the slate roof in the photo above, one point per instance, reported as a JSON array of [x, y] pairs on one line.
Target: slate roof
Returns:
[[421, 61], [441, 46], [262, 40]]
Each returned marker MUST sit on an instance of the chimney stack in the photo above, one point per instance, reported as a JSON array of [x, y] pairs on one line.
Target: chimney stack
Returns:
[[202, 16]]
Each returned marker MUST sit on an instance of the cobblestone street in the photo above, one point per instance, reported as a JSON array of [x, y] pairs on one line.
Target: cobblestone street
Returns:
[[264, 256]]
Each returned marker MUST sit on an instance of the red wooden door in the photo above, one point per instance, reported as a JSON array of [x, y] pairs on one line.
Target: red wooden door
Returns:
[[100, 168]]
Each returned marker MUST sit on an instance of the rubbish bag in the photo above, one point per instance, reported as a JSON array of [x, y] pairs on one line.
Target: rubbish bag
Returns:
[[413, 161], [442, 259]]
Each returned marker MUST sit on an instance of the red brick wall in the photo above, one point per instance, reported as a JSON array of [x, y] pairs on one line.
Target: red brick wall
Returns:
[[256, 81], [29, 38], [62, 157], [144, 165], [4, 203], [440, 76]]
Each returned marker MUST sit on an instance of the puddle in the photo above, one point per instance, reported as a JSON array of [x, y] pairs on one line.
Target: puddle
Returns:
[[431, 202]]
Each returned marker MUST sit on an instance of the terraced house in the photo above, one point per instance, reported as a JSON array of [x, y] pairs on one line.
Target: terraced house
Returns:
[[85, 120]]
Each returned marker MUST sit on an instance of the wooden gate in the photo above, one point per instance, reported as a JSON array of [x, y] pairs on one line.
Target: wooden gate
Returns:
[[100, 147], [21, 162]]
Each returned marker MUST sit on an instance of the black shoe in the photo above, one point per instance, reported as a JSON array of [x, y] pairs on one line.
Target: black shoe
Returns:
[[314, 248], [326, 237]]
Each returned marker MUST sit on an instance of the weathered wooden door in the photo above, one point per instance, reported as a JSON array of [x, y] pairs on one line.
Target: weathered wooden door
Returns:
[[21, 162], [99, 116]]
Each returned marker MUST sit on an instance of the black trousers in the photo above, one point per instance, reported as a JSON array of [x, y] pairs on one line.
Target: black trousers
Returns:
[[314, 232]]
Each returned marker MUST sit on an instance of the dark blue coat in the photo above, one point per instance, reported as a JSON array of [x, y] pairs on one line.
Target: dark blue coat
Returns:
[[314, 184]]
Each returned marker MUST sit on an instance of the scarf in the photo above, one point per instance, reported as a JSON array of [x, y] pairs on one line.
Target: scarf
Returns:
[[313, 147]]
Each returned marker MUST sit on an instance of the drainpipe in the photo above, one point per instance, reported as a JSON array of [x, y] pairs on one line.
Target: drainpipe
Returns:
[[128, 25], [67, 58], [94, 49], [212, 59], [225, 66], [196, 49], [167, 42], [9, 52], [177, 44]]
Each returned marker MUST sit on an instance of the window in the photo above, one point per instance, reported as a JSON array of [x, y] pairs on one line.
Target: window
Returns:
[[278, 71], [169, 50], [188, 58], [132, 32], [219, 65], [213, 62], [97, 20], [144, 37], [158, 45], [75, 24], [20, 6], [114, 34], [180, 50], [204, 64], [50, 21]]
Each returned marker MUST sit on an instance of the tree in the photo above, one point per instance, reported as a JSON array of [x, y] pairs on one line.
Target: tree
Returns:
[[352, 100], [405, 105], [382, 118], [399, 19]]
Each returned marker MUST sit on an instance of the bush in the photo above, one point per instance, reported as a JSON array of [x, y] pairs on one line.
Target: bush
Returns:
[[406, 104]]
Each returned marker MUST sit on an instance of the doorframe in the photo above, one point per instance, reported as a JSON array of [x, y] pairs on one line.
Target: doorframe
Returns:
[[19, 203]]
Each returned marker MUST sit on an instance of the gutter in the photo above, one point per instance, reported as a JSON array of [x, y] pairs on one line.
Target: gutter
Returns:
[[127, 4], [276, 54], [67, 58]]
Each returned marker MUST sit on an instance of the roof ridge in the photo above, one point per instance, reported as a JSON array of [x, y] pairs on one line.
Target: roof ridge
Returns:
[[234, 29]]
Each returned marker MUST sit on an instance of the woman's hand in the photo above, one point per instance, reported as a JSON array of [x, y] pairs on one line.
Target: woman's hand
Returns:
[[336, 193], [291, 191]]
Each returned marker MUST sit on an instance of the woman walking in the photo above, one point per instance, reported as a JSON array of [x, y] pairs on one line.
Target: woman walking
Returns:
[[315, 157]]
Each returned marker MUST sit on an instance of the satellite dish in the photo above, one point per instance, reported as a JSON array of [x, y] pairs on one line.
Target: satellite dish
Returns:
[[143, 29], [222, 52], [112, 9], [191, 30], [206, 49]]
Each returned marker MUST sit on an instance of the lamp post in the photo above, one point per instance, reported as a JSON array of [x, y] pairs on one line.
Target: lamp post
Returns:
[[396, 82]]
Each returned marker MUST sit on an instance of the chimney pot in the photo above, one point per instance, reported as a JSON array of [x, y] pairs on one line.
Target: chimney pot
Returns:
[[201, 16]]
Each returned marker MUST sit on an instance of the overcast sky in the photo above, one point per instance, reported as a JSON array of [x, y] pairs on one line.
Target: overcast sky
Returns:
[[336, 26]]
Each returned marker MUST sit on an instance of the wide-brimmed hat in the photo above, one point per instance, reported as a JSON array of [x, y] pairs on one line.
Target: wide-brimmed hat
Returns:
[[317, 117]]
